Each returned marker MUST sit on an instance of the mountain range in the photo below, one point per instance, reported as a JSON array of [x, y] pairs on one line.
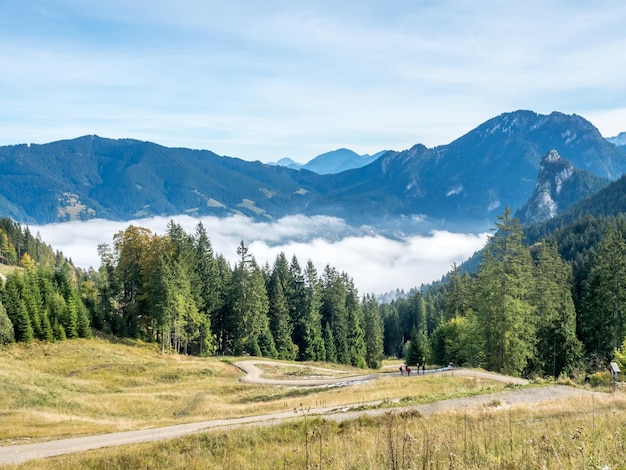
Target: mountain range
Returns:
[[332, 162], [463, 185]]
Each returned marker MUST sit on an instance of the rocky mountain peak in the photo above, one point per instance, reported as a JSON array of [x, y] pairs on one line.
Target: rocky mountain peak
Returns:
[[553, 173], [558, 185]]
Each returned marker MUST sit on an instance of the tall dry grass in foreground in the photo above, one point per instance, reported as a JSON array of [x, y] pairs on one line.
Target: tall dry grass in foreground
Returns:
[[580, 433], [81, 387]]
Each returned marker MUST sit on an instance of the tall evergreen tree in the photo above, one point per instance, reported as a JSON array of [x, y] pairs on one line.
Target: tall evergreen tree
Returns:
[[373, 332], [206, 275], [558, 348], [249, 305], [356, 335], [280, 322], [502, 299], [393, 337], [603, 317], [334, 313], [312, 347]]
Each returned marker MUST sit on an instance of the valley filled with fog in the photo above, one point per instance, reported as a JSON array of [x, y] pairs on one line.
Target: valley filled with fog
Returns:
[[377, 264]]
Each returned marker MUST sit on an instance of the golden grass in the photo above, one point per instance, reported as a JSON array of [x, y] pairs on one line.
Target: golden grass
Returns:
[[84, 387], [576, 433]]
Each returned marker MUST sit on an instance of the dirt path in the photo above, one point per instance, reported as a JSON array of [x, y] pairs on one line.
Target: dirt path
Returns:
[[255, 375], [24, 452]]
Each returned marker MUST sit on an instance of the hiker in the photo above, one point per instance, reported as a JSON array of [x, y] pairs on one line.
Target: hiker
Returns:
[[424, 368], [401, 371], [408, 370]]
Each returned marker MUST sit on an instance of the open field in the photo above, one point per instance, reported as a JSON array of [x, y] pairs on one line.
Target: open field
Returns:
[[86, 387]]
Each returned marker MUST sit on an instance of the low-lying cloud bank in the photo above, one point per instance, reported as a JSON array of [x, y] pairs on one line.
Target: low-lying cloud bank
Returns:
[[376, 263]]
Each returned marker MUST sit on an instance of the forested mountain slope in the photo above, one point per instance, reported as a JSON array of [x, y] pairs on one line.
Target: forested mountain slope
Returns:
[[462, 185]]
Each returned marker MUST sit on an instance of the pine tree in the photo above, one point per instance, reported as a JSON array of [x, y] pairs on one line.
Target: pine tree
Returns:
[[313, 346], [502, 299], [249, 305], [329, 343], [558, 348], [373, 332], [356, 335], [23, 327], [334, 313], [206, 275], [7, 334], [603, 317], [393, 337], [417, 351], [280, 322]]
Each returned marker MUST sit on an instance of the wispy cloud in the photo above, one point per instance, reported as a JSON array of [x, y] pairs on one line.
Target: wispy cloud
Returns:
[[272, 79], [376, 263]]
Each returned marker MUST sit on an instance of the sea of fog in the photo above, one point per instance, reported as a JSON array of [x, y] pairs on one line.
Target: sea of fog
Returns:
[[377, 264]]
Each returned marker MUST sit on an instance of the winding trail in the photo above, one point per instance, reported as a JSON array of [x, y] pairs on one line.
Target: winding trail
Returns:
[[254, 375], [19, 453]]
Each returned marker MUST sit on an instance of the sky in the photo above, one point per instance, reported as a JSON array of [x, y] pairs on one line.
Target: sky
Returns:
[[377, 264], [273, 79]]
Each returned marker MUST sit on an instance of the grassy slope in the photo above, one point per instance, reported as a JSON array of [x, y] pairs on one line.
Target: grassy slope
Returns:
[[83, 387]]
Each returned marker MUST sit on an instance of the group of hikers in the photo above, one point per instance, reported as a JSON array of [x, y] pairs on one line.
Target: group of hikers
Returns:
[[407, 369]]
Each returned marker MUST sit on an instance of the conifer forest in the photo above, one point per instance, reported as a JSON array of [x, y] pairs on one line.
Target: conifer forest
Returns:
[[535, 305]]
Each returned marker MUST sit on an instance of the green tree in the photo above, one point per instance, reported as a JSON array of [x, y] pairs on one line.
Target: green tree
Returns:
[[417, 350], [208, 285], [603, 316], [393, 337], [502, 299], [7, 334], [131, 250], [249, 305], [558, 348], [356, 334], [334, 313], [312, 347], [280, 321], [373, 332], [329, 343]]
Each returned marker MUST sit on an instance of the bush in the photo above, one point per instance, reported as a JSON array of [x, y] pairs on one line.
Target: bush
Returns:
[[600, 379]]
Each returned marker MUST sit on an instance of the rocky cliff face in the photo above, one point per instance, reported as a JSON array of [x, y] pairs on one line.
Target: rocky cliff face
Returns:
[[558, 185]]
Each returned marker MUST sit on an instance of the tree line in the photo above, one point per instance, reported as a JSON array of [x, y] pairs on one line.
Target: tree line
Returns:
[[552, 307], [173, 289]]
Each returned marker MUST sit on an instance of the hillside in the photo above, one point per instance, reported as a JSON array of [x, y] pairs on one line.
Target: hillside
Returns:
[[462, 185]]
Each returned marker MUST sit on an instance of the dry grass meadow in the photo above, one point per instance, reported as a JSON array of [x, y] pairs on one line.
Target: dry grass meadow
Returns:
[[82, 387]]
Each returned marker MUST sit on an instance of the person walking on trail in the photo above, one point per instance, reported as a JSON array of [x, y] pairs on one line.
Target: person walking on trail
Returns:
[[401, 371], [408, 370]]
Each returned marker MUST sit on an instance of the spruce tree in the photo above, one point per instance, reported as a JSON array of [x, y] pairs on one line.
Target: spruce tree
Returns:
[[373, 332], [329, 343], [23, 327], [313, 347], [603, 316], [7, 335], [334, 313], [503, 299], [280, 322], [558, 348]]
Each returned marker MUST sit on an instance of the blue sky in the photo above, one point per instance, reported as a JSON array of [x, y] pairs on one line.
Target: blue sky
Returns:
[[272, 79]]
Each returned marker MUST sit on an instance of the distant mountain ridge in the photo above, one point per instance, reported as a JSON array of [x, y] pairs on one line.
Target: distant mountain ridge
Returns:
[[462, 186], [332, 162]]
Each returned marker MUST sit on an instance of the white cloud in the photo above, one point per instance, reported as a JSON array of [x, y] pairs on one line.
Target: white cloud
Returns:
[[263, 81], [376, 263]]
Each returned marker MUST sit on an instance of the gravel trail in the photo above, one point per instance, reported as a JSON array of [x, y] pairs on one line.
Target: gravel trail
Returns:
[[18, 453]]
